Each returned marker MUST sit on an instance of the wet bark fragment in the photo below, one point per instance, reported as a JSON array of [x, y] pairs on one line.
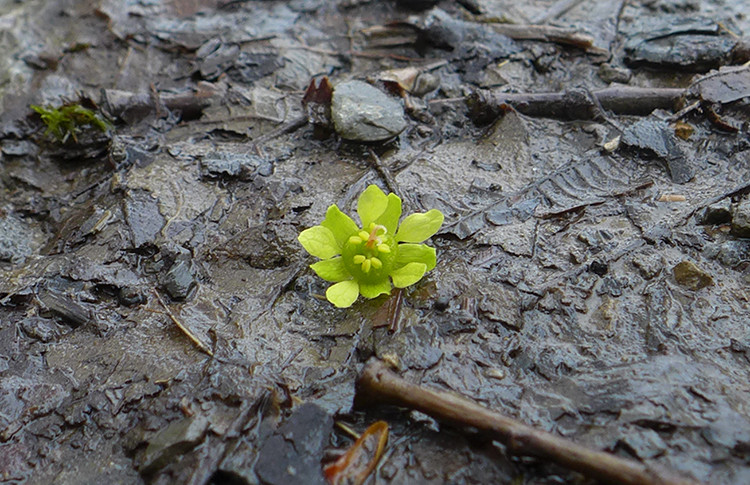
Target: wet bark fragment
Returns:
[[63, 305]]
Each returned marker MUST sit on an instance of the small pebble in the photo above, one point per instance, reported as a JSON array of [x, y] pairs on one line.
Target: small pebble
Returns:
[[690, 276], [362, 112]]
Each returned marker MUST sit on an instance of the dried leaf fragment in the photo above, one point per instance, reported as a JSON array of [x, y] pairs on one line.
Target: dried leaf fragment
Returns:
[[317, 102], [360, 460]]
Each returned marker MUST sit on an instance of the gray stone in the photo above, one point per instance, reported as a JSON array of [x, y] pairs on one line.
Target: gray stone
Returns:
[[362, 112], [179, 280], [741, 219]]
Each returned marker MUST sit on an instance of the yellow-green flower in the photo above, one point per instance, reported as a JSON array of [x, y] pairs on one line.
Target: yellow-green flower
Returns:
[[364, 260]]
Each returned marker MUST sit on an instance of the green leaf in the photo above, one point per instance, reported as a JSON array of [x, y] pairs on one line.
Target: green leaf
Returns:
[[371, 204], [331, 269], [341, 225], [416, 253], [343, 294], [408, 275], [319, 241], [417, 227], [392, 213], [376, 289]]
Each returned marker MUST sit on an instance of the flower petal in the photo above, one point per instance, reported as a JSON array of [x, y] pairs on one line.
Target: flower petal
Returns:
[[319, 241], [374, 290], [343, 294], [417, 227], [408, 275], [331, 269], [371, 204], [392, 213], [341, 225], [416, 253]]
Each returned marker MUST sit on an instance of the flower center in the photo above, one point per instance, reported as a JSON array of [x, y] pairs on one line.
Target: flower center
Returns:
[[369, 256]]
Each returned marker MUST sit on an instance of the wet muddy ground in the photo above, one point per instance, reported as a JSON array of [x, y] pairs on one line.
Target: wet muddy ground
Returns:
[[592, 275]]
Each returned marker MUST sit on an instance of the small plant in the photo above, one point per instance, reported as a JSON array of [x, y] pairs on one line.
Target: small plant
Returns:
[[363, 261], [68, 120]]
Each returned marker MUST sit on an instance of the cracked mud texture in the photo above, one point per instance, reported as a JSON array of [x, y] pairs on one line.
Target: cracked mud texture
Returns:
[[556, 299]]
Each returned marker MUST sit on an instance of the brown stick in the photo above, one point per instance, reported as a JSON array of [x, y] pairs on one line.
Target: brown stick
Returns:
[[486, 105], [377, 384]]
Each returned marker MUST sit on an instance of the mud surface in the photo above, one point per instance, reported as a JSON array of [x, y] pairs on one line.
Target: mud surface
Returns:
[[589, 285]]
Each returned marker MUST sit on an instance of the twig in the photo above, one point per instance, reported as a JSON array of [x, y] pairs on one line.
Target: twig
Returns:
[[486, 105], [133, 107], [287, 127], [184, 329], [384, 173], [377, 384]]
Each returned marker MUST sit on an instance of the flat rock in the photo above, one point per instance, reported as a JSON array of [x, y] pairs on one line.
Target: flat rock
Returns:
[[362, 112]]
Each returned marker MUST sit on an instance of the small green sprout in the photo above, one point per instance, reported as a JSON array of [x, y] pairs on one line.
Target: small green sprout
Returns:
[[363, 261], [68, 120]]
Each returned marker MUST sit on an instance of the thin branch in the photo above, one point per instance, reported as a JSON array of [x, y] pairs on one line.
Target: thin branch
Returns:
[[287, 127], [377, 384], [486, 105], [384, 173]]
